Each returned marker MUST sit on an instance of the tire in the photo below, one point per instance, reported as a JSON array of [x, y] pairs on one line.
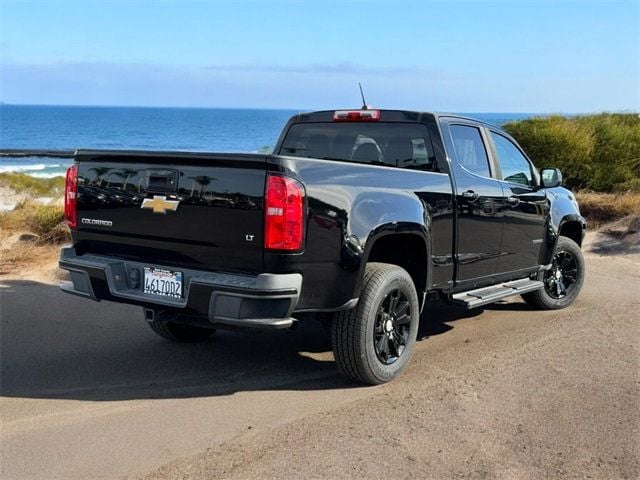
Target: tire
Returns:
[[567, 257], [361, 335], [168, 326]]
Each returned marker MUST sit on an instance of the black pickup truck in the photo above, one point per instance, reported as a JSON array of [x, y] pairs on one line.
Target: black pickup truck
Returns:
[[358, 217]]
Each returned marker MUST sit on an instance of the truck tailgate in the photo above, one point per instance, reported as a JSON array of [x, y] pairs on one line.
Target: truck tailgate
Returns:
[[193, 210]]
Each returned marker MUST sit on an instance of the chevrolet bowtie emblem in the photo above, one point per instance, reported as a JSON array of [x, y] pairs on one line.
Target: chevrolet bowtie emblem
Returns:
[[160, 204]]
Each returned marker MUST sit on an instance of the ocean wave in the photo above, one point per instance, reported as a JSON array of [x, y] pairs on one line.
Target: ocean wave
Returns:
[[60, 173], [24, 168], [35, 167]]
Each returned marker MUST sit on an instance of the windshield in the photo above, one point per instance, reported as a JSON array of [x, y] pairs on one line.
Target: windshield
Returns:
[[404, 145]]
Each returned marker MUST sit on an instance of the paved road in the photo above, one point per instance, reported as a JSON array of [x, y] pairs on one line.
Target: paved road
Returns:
[[89, 392]]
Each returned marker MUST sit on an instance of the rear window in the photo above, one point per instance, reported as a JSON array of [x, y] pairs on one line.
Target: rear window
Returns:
[[402, 145]]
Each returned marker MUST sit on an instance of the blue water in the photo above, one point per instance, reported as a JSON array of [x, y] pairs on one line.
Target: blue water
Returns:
[[195, 129]]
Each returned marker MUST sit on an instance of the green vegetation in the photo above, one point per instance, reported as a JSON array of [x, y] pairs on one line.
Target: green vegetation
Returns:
[[38, 187], [595, 152]]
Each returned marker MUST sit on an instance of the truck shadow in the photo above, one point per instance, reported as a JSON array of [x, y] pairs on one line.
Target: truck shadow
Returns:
[[437, 317], [55, 345], [622, 243]]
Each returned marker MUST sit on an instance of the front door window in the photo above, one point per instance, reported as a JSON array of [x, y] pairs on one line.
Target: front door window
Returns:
[[515, 167]]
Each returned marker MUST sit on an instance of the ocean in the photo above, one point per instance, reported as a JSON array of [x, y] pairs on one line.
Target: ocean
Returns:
[[139, 128]]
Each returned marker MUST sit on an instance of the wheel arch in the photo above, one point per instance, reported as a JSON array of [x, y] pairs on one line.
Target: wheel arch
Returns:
[[402, 244], [571, 226], [572, 229]]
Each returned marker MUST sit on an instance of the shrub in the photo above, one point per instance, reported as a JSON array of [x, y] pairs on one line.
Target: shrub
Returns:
[[595, 152], [40, 187], [46, 221]]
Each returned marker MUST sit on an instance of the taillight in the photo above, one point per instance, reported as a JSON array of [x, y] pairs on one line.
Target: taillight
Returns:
[[283, 213], [70, 196], [356, 116]]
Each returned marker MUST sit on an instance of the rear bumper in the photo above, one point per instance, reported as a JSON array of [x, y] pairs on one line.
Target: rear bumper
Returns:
[[265, 300]]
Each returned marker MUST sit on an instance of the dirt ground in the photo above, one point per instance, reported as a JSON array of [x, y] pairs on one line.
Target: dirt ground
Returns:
[[505, 392]]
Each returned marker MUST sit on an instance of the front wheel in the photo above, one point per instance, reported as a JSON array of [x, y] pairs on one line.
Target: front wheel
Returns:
[[373, 342], [563, 281]]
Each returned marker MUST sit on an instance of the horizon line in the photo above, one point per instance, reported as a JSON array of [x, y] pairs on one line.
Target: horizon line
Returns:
[[185, 107]]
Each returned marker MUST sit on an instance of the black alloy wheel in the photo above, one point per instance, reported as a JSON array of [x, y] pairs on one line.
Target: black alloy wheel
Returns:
[[392, 329], [562, 275], [563, 281]]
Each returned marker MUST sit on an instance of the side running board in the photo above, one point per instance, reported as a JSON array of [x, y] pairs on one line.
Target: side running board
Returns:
[[485, 295]]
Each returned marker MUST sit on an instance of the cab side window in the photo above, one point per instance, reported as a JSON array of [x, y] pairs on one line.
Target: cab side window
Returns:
[[470, 151], [514, 165]]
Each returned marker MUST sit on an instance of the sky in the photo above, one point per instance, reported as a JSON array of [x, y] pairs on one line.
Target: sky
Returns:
[[473, 56]]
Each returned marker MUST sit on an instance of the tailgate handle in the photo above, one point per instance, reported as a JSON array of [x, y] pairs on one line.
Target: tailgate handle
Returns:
[[163, 181]]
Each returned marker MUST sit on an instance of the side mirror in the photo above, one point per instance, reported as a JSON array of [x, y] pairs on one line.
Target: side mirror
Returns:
[[551, 177]]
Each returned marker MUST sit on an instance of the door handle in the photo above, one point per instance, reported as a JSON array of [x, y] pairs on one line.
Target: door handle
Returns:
[[470, 195]]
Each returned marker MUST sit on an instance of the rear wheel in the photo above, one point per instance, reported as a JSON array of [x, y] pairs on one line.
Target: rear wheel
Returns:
[[563, 281], [373, 342], [168, 326]]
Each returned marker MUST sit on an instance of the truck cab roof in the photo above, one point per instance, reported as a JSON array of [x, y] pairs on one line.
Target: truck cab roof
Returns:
[[385, 116]]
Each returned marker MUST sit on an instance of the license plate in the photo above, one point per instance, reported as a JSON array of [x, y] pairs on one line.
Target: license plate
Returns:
[[162, 282]]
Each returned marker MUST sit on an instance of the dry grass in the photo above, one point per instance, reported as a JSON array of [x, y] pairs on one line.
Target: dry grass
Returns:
[[46, 221], [601, 208]]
